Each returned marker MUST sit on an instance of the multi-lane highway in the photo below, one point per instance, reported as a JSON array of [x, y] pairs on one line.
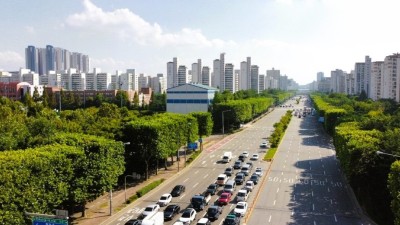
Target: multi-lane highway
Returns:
[[302, 185]]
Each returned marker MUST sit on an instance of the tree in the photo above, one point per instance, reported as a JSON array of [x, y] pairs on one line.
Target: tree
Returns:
[[136, 100], [36, 97]]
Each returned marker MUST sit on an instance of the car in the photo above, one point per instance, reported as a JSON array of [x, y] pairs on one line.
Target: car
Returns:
[[239, 179], [178, 190], [188, 216], [246, 169], [237, 165], [213, 212], [170, 211], [259, 171], [264, 144], [204, 221], [229, 171], [212, 189], [245, 154], [221, 179], [232, 219], [149, 209], [254, 157], [249, 185], [133, 222], [242, 158], [242, 195], [240, 209], [165, 199], [250, 164], [225, 198], [254, 178]]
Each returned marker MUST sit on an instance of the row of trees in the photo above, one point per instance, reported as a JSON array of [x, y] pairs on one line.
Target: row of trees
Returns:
[[360, 129], [63, 174]]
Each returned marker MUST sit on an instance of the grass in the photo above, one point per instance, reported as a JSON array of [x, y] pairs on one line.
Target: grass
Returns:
[[270, 154]]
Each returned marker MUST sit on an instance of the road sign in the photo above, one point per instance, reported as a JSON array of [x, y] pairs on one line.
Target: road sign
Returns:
[[48, 221], [192, 145]]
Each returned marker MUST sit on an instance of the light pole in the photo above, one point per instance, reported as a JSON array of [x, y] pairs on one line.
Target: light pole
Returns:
[[223, 122], [125, 183], [384, 153]]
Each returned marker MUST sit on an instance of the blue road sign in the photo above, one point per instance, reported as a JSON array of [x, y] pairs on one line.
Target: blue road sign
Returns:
[[192, 145], [47, 221]]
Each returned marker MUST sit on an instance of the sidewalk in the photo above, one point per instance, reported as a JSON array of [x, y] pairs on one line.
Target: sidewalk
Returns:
[[98, 210]]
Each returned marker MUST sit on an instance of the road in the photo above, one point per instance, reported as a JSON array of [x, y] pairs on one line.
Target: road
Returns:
[[204, 171], [304, 184]]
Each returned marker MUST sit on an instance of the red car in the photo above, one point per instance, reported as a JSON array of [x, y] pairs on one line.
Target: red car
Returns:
[[225, 198]]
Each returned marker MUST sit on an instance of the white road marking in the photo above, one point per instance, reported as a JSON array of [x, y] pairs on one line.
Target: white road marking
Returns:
[[331, 202], [270, 217], [185, 180], [277, 190], [315, 223], [313, 207], [329, 190], [195, 184], [182, 196], [274, 202], [312, 193], [335, 217], [205, 175], [195, 172], [282, 173], [203, 162]]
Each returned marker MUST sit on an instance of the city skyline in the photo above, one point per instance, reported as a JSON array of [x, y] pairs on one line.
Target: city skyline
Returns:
[[300, 38]]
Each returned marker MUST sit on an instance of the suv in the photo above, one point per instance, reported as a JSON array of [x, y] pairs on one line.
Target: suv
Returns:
[[242, 158], [213, 212], [212, 189], [239, 179], [231, 219], [229, 171]]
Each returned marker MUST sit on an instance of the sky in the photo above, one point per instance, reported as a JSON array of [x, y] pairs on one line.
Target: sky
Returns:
[[297, 37]]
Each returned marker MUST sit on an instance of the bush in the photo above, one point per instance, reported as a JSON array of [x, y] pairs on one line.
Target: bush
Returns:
[[192, 157], [148, 188], [132, 199]]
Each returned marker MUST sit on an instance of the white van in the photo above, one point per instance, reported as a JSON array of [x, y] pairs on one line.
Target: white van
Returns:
[[227, 157], [221, 179], [230, 186], [245, 169]]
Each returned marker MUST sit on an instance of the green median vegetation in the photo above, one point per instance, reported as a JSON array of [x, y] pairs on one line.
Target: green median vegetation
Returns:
[[149, 187], [277, 135]]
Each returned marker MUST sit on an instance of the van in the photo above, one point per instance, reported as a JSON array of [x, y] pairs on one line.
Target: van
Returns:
[[230, 186], [227, 157], [245, 169], [221, 179]]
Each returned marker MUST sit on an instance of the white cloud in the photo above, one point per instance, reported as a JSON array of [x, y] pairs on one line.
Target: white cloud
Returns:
[[30, 30], [10, 60], [129, 26]]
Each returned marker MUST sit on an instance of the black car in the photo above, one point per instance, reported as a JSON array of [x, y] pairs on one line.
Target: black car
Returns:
[[178, 190], [171, 211], [254, 178], [134, 222], [239, 179], [242, 158], [229, 171], [237, 165], [212, 189], [213, 212], [231, 219]]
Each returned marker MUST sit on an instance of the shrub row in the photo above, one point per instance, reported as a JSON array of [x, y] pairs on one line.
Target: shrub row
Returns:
[[148, 188]]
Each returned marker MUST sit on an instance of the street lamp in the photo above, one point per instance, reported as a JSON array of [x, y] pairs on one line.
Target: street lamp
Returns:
[[223, 123], [125, 183], [384, 153]]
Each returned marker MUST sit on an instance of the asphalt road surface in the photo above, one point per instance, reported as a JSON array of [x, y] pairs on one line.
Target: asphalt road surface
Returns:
[[304, 184]]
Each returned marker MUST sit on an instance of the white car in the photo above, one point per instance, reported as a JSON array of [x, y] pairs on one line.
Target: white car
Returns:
[[241, 208], [165, 199], [264, 145], [150, 208], [249, 185], [242, 195], [259, 171], [254, 157], [245, 154], [203, 221], [188, 216]]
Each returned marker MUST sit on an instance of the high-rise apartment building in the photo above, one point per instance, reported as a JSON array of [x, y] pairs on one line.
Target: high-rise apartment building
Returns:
[[172, 73], [243, 84], [222, 71], [216, 74], [229, 78], [43, 60], [182, 75], [254, 75], [391, 77], [349, 84], [206, 76], [338, 81], [261, 83], [376, 80], [320, 76], [196, 72]]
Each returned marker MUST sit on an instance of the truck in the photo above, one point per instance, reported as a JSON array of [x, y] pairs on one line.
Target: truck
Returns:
[[200, 201], [154, 218], [227, 157]]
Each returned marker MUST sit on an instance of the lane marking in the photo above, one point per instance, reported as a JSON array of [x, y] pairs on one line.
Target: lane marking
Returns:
[[195, 172], [274, 202], [270, 217], [182, 196], [195, 184], [335, 218], [205, 175], [185, 180], [313, 207], [277, 190]]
